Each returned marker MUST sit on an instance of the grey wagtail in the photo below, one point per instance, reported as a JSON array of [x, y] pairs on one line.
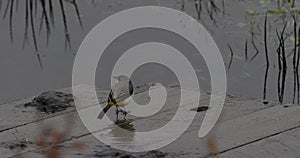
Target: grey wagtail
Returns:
[[119, 96]]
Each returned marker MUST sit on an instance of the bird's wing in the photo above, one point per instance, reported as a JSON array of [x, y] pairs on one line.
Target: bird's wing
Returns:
[[121, 91], [111, 97]]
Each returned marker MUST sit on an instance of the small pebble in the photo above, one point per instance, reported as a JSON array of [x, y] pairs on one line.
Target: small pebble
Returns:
[[265, 102], [200, 108]]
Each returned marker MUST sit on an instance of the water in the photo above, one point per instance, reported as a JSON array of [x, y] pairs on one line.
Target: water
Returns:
[[22, 75]]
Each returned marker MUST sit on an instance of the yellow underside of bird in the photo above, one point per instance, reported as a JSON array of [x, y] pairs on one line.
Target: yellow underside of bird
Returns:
[[121, 103]]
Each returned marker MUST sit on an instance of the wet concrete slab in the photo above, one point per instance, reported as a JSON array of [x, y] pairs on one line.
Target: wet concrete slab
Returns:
[[285, 144], [244, 123]]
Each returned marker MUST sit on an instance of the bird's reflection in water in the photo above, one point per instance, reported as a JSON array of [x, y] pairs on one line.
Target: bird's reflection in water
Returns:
[[123, 130]]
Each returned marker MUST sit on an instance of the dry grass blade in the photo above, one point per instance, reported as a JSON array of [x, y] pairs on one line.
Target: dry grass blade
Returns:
[[51, 12], [279, 66], [32, 26], [231, 57], [246, 50], [45, 16], [10, 20], [214, 6], [6, 8], [252, 32], [182, 5], [282, 65], [266, 57], [294, 16], [256, 49], [77, 13], [223, 6], [297, 66], [0, 5], [266, 40], [198, 6], [25, 39], [34, 35], [46, 10], [67, 36]]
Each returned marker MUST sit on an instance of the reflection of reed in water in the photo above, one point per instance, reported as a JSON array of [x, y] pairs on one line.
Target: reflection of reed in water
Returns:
[[231, 57], [282, 65], [46, 18], [286, 12], [209, 5], [123, 130], [297, 66], [296, 56]]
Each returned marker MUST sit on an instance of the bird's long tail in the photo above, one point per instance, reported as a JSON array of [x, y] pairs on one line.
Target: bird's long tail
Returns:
[[103, 112]]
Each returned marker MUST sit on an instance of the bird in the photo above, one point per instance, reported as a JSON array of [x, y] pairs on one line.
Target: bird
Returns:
[[119, 96]]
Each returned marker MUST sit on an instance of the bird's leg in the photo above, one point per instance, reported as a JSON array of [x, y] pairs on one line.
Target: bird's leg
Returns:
[[124, 112], [117, 112]]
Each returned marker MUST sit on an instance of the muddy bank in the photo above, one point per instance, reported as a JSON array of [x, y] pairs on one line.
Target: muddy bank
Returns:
[[52, 101], [109, 153]]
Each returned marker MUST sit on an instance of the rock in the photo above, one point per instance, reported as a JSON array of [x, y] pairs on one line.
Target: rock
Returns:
[[200, 108], [52, 101], [265, 102]]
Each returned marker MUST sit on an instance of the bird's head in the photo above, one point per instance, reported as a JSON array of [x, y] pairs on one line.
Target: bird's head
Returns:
[[121, 78]]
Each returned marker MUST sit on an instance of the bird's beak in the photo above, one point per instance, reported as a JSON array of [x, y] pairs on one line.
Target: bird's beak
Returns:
[[115, 77]]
